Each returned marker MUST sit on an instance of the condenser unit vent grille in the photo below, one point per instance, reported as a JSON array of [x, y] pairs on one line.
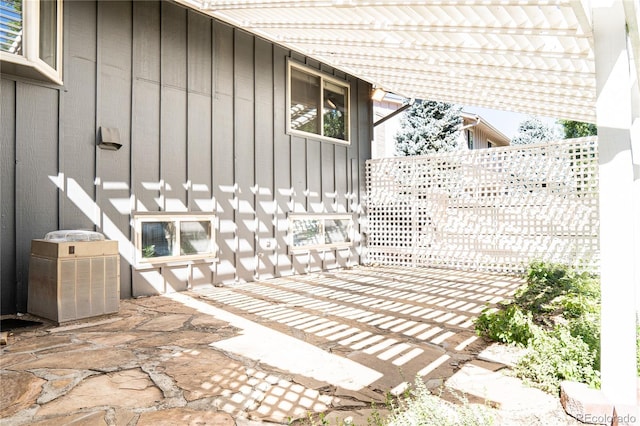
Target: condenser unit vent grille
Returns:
[[71, 280]]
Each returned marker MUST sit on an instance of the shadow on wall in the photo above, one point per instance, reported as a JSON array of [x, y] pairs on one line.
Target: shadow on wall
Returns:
[[239, 253]]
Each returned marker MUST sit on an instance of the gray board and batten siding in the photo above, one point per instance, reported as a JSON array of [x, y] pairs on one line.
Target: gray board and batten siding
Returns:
[[201, 111]]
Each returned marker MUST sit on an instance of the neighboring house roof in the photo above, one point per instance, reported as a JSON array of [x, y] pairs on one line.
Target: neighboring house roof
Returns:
[[533, 57]]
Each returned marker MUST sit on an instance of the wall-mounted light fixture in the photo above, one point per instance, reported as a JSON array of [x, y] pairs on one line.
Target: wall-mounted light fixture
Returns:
[[109, 138], [378, 94]]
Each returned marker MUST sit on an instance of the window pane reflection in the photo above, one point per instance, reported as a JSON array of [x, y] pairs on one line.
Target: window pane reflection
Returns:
[[11, 26], [305, 94], [336, 231], [335, 111], [318, 232], [158, 239], [48, 32], [195, 237], [306, 232]]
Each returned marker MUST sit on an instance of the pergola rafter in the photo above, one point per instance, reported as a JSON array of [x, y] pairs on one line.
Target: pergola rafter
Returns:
[[517, 43]]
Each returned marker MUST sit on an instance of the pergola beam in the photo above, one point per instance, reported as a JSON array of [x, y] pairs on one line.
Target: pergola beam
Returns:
[[455, 77], [427, 27], [520, 103], [421, 48]]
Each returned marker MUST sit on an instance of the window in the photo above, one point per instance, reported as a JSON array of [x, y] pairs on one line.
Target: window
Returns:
[[318, 105], [320, 231], [470, 139], [31, 38], [171, 237]]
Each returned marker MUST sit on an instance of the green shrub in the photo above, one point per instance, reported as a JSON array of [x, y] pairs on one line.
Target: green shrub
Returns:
[[556, 315], [507, 325], [556, 356], [587, 328], [553, 289]]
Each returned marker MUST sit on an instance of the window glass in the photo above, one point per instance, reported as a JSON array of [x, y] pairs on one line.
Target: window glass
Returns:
[[320, 231], [11, 27], [174, 237], [335, 111], [48, 32], [158, 239], [305, 92], [195, 237], [307, 232], [336, 231], [318, 104]]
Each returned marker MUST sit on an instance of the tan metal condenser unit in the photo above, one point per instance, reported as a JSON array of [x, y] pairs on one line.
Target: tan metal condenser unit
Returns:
[[73, 275]]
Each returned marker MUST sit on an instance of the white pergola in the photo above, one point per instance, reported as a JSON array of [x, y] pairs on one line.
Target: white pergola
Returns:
[[569, 59]]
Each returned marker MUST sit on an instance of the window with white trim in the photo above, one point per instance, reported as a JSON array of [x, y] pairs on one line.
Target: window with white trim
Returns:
[[173, 237], [318, 105], [320, 231], [31, 38]]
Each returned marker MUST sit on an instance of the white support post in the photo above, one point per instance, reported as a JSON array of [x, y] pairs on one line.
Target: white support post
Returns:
[[618, 221]]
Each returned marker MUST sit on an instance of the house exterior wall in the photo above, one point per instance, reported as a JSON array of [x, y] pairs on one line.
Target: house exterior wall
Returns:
[[481, 137], [200, 109], [385, 133]]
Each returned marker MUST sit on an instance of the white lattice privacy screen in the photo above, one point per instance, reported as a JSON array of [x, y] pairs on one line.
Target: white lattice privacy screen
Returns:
[[494, 209]]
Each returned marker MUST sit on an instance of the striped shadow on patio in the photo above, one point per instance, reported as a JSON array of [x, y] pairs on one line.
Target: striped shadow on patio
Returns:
[[401, 322]]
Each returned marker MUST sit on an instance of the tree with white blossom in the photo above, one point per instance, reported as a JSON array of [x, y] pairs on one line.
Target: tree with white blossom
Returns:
[[533, 130], [427, 127]]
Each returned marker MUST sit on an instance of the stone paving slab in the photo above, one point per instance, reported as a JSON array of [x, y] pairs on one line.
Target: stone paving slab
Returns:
[[19, 391], [253, 354], [488, 383]]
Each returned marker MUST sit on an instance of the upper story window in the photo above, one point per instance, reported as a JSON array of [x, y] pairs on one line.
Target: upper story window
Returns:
[[469, 139], [318, 105], [31, 38]]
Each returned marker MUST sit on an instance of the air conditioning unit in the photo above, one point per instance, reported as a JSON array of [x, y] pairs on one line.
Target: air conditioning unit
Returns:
[[73, 275]]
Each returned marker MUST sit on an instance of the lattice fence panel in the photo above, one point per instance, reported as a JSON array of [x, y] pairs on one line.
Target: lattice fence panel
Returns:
[[494, 209]]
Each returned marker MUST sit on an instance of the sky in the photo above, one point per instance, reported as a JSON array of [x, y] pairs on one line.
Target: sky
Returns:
[[505, 121]]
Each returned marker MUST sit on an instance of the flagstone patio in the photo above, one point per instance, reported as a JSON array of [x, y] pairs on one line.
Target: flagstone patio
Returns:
[[270, 352]]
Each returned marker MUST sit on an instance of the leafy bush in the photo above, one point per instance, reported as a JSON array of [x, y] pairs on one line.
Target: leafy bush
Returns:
[[556, 315], [507, 325], [554, 289], [587, 329], [556, 356]]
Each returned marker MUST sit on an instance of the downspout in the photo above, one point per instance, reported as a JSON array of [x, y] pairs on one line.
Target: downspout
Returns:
[[468, 126]]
